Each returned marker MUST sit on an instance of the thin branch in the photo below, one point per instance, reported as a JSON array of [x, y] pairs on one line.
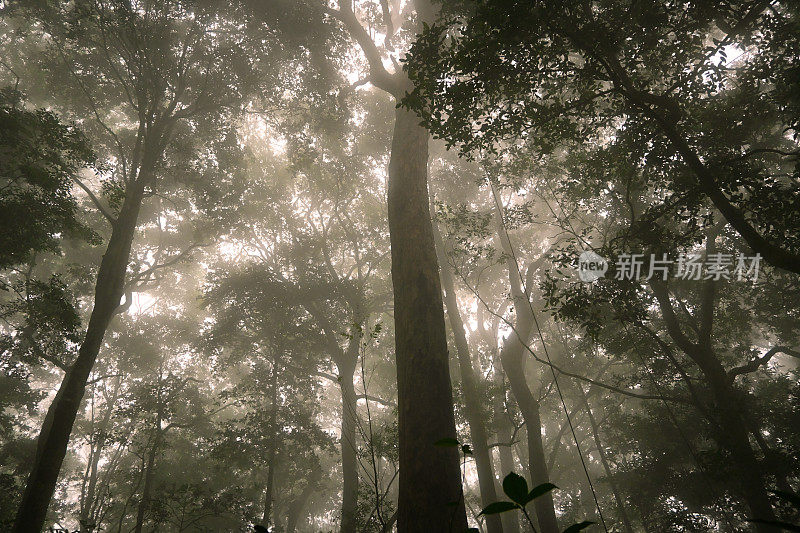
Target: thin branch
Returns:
[[386, 403], [95, 200]]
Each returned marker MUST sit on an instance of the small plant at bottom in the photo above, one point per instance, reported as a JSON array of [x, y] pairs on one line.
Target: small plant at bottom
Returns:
[[516, 488]]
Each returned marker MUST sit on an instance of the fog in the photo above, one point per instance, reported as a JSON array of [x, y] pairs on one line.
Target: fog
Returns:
[[399, 265]]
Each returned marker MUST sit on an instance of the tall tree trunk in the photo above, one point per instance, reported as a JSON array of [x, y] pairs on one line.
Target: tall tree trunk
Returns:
[[504, 451], [472, 396], [87, 520], [297, 509], [505, 431], [430, 476], [529, 407], [273, 447], [54, 437], [623, 513], [349, 443], [512, 358], [734, 437], [149, 472], [733, 428]]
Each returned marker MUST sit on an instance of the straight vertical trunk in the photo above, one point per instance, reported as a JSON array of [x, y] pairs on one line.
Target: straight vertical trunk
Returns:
[[472, 403], [54, 437], [297, 509], [87, 520], [349, 447], [504, 451], [505, 432], [273, 447], [430, 476], [149, 472]]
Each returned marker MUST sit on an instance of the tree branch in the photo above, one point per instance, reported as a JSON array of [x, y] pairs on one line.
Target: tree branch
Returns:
[[95, 200], [386, 403], [378, 75], [758, 362]]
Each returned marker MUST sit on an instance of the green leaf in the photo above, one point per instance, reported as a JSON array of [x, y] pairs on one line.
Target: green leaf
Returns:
[[466, 449], [540, 490], [498, 507], [446, 443], [516, 488], [578, 527]]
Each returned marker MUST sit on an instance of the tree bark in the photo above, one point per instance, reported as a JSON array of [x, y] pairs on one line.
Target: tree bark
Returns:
[[349, 442], [430, 476], [472, 403], [511, 357], [297, 509], [504, 451], [733, 433], [505, 432], [54, 437], [623, 513], [149, 472], [273, 447], [87, 518]]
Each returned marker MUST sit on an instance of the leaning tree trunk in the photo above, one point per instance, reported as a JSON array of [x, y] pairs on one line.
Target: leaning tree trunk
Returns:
[[54, 437], [733, 428], [430, 476], [511, 357], [623, 513], [513, 367], [472, 396]]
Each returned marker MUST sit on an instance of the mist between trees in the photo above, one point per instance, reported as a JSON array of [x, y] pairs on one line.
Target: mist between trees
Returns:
[[399, 265]]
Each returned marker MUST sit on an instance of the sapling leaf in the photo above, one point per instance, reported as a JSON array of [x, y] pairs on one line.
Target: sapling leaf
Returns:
[[578, 527], [446, 443], [540, 490], [498, 507], [516, 488]]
